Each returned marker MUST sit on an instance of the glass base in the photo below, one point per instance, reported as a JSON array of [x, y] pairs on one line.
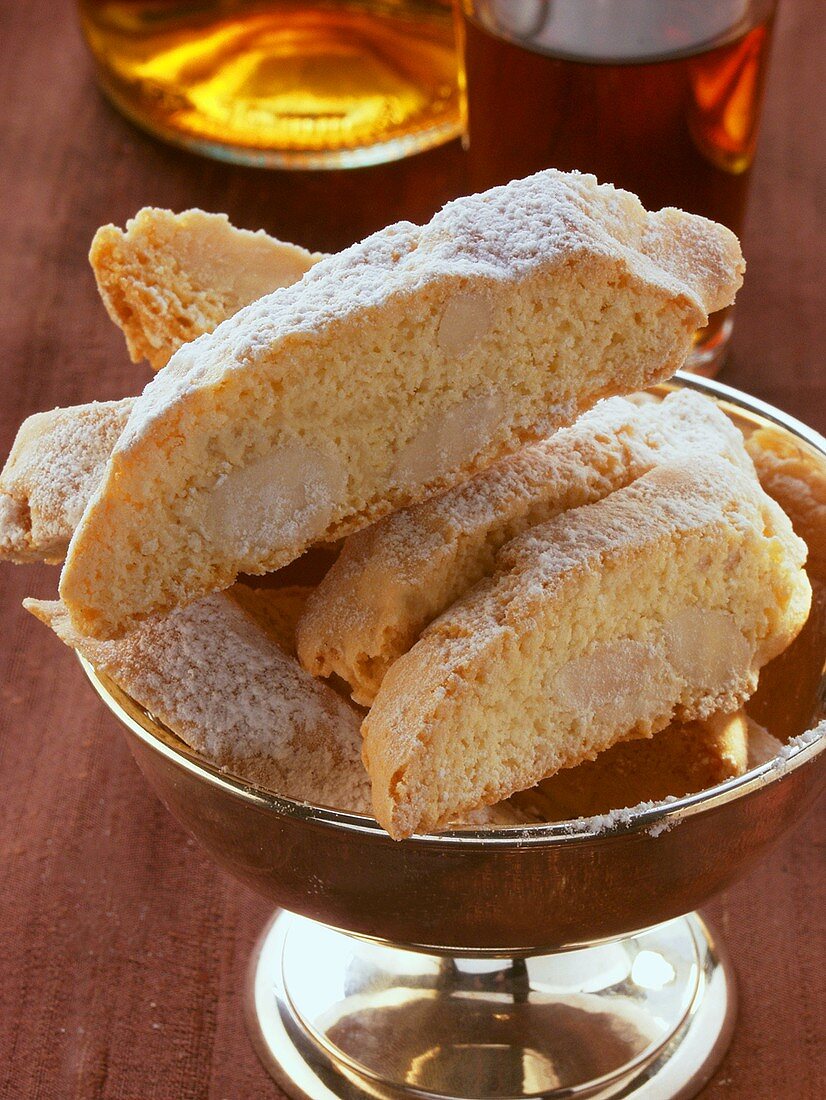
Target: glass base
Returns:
[[382, 152], [282, 83], [333, 1016]]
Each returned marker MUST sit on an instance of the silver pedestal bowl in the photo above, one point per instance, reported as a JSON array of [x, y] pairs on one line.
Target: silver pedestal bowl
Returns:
[[556, 960]]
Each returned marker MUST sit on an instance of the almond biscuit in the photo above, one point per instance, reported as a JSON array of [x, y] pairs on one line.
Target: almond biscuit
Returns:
[[168, 278], [396, 576], [659, 603], [219, 679], [393, 370]]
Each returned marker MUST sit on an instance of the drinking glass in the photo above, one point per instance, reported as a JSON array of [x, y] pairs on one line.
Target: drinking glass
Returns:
[[661, 97], [282, 83]]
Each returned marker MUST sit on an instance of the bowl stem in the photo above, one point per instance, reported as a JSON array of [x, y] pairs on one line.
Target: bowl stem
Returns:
[[336, 1016]]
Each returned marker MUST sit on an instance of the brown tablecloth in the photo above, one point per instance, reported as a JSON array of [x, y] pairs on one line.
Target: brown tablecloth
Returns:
[[122, 947]]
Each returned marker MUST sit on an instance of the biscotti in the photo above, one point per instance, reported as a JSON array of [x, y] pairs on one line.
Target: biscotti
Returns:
[[659, 603], [396, 576], [796, 480], [169, 278], [56, 463], [682, 759], [393, 370], [218, 679], [217, 674], [165, 280]]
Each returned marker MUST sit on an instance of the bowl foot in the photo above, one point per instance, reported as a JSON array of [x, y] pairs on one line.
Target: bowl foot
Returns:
[[334, 1017]]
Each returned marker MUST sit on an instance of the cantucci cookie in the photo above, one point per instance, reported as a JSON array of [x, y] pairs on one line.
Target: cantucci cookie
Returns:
[[166, 280], [683, 758], [393, 370], [217, 677], [55, 465], [396, 576], [659, 603], [796, 480], [169, 278]]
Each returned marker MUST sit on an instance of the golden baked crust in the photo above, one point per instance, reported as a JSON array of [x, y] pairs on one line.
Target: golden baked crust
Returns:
[[168, 278], [395, 369], [659, 603], [397, 575]]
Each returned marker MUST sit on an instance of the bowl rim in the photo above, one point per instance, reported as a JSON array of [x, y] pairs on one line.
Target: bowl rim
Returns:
[[652, 818]]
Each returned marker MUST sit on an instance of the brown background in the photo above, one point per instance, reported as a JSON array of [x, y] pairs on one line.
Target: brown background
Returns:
[[122, 948]]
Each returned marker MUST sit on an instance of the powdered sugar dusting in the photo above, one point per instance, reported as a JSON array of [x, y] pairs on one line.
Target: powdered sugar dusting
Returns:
[[499, 236], [56, 463], [666, 501], [487, 672], [14, 529], [396, 576], [797, 744], [217, 679]]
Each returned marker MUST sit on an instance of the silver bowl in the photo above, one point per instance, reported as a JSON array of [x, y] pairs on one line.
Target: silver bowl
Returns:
[[546, 960]]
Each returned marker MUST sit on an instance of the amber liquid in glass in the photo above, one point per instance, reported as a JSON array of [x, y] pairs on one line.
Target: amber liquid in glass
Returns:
[[678, 128], [283, 83]]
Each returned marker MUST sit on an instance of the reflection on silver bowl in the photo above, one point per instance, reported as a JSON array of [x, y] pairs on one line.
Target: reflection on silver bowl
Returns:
[[545, 960]]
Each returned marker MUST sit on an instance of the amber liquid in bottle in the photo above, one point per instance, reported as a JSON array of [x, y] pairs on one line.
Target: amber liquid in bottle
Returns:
[[677, 127], [282, 83]]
